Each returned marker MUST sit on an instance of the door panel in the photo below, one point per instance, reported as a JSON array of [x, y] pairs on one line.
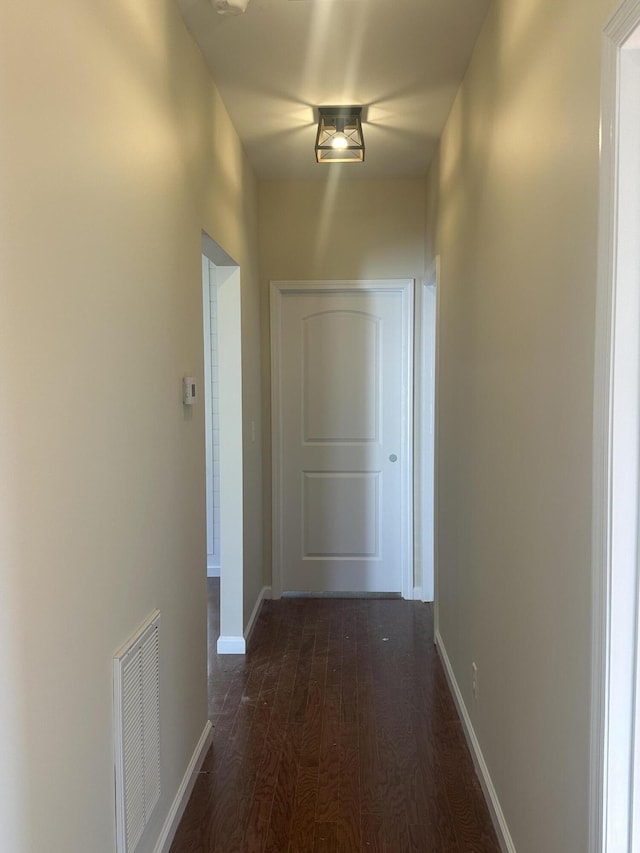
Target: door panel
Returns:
[[341, 514], [342, 377], [341, 366]]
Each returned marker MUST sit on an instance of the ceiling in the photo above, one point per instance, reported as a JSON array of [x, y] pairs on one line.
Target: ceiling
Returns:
[[403, 60]]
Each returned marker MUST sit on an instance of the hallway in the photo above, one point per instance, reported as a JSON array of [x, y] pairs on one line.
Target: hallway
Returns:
[[337, 732]]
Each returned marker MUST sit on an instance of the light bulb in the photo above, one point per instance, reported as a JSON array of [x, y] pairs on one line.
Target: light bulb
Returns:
[[230, 7], [339, 141]]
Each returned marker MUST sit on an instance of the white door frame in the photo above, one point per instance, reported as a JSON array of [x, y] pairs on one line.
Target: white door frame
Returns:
[[277, 289], [231, 639], [615, 731], [210, 324], [424, 488]]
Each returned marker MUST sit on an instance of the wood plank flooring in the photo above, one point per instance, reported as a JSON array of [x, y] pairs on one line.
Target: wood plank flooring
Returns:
[[336, 733]]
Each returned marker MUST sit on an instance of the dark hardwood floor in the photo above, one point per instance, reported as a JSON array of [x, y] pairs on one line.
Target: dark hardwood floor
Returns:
[[337, 732]]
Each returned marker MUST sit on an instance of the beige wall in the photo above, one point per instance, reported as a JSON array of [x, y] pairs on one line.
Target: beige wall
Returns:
[[328, 229], [115, 151], [516, 226]]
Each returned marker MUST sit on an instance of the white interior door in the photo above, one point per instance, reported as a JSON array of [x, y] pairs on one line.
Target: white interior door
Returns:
[[341, 420]]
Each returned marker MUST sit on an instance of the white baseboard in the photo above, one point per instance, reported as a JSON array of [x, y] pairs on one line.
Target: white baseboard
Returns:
[[213, 566], [231, 645], [184, 791], [490, 794], [265, 592]]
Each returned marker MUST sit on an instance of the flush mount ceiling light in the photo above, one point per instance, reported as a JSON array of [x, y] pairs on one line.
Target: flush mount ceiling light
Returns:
[[339, 138]]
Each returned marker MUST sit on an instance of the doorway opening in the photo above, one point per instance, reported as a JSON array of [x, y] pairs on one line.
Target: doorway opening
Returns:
[[223, 445], [615, 777]]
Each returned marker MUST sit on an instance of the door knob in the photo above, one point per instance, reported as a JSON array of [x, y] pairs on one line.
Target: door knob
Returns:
[[393, 458]]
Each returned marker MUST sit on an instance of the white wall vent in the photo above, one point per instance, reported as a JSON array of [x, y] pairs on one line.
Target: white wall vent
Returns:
[[136, 690]]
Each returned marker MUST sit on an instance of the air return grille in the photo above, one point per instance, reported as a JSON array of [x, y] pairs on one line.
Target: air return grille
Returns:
[[136, 684]]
